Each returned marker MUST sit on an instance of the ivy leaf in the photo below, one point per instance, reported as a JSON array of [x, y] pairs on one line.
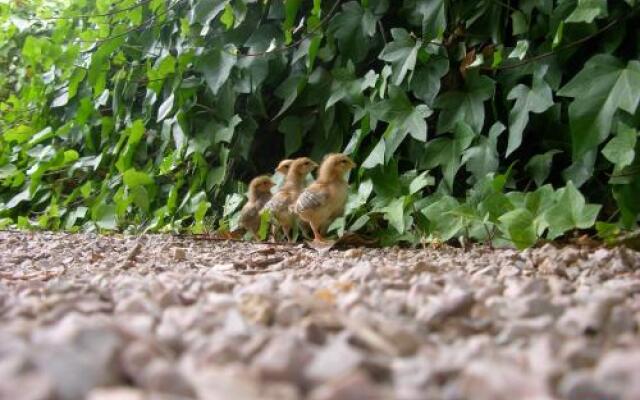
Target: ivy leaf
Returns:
[[404, 116], [466, 105], [621, 148], [133, 178], [420, 182], [570, 211], [425, 82], [520, 51], [225, 133], [603, 86], [442, 222], [402, 53], [588, 10], [394, 214], [376, 157], [446, 152], [165, 108], [519, 227], [25, 195], [216, 67], [104, 215], [288, 91], [536, 99], [434, 20], [482, 158], [539, 166], [294, 130], [353, 26]]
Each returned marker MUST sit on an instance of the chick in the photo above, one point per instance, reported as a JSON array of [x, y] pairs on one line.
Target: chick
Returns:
[[259, 194], [281, 172], [280, 204], [283, 166], [325, 199]]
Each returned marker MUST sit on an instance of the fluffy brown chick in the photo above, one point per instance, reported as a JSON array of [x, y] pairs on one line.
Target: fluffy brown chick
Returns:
[[259, 194], [280, 204], [283, 166], [324, 200]]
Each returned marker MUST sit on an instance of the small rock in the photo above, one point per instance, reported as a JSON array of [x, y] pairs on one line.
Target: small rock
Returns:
[[116, 393], [354, 386], [353, 253], [333, 361], [283, 359], [179, 254]]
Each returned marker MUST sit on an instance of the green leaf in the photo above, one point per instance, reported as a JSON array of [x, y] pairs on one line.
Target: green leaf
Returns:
[[216, 67], [425, 83], [404, 118], [165, 108], [482, 158], [536, 99], [443, 225], [570, 211], [376, 157], [447, 152], [227, 17], [7, 171], [289, 90], [291, 10], [466, 105], [225, 133], [539, 166], [519, 23], [394, 214], [420, 182], [519, 228], [25, 195], [293, 130], [104, 215], [434, 21], [133, 178], [353, 26], [603, 86], [621, 148], [588, 10], [263, 230], [520, 51], [402, 53], [232, 203]]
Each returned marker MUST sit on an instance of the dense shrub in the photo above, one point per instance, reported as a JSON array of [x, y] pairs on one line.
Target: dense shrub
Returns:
[[489, 119]]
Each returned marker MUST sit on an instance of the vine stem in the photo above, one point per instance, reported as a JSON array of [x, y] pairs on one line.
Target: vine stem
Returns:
[[86, 16], [565, 47]]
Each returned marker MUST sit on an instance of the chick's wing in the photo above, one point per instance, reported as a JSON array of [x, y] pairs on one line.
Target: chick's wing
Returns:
[[311, 199], [278, 203]]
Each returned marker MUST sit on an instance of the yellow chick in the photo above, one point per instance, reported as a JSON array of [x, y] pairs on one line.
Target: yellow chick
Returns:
[[286, 196], [283, 166], [259, 194], [325, 199], [281, 173]]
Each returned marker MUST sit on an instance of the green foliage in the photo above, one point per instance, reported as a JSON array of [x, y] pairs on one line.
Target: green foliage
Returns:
[[152, 114]]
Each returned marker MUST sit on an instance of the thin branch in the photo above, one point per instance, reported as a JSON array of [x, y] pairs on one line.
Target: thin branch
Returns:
[[134, 29], [297, 42], [86, 16], [565, 47]]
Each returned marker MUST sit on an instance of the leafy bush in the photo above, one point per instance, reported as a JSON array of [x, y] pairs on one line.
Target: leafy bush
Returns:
[[488, 119]]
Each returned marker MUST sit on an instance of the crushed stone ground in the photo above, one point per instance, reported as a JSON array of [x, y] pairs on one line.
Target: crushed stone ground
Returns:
[[163, 317]]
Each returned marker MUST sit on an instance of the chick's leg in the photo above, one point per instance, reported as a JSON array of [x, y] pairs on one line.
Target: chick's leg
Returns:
[[287, 232], [317, 236]]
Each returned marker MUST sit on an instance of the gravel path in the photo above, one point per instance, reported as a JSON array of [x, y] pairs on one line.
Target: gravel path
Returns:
[[161, 317]]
